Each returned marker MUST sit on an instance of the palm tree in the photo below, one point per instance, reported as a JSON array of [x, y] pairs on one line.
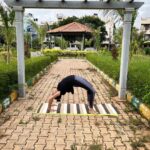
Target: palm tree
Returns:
[[41, 31], [118, 16], [8, 31]]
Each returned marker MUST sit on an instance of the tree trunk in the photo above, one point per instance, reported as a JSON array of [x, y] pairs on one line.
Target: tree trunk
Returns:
[[8, 54]]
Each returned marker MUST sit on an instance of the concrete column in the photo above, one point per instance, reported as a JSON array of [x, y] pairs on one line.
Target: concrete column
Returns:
[[20, 49], [125, 52]]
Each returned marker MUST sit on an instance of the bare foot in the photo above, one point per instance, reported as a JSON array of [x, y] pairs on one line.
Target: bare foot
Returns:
[[48, 110]]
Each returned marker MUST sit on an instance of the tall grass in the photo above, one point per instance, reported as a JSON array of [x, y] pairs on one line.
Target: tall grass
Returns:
[[138, 80]]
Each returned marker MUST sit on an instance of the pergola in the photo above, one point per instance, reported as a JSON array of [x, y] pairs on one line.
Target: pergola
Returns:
[[129, 6]]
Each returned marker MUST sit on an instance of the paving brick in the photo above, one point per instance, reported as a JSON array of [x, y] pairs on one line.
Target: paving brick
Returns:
[[39, 147], [47, 134], [10, 144], [59, 146], [22, 140], [30, 145]]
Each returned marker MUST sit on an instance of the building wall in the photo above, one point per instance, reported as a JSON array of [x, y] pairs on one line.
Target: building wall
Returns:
[[145, 27]]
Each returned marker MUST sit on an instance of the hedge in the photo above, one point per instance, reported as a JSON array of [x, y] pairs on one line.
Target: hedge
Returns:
[[138, 81], [67, 53], [8, 73]]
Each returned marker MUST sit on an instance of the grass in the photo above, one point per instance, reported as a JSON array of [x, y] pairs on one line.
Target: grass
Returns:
[[36, 118], [30, 108], [59, 120], [138, 81], [23, 122], [140, 142]]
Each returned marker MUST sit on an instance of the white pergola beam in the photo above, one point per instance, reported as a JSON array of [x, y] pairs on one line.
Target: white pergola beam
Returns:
[[125, 53], [73, 4], [20, 50]]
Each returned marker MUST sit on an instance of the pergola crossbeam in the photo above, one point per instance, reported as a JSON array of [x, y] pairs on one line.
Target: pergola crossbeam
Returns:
[[74, 4], [131, 1]]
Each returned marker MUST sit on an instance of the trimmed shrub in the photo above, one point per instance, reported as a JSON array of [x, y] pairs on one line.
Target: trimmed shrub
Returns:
[[8, 73], [67, 53]]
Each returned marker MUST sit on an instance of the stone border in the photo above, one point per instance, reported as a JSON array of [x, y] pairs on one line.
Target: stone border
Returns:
[[141, 107], [14, 94]]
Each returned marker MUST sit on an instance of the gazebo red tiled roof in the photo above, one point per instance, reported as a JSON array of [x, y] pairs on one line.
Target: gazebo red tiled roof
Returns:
[[71, 27]]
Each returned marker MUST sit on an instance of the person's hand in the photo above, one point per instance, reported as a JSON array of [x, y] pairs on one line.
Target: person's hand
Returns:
[[92, 111]]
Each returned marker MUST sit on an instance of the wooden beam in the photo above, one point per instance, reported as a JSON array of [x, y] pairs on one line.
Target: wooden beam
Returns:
[[108, 1], [73, 4], [131, 1]]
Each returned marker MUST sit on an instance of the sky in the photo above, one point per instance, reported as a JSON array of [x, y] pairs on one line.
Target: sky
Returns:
[[47, 15]]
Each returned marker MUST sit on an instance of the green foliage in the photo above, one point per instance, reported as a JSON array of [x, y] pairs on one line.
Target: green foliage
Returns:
[[67, 53], [147, 50], [36, 44], [114, 53], [8, 31], [61, 43], [136, 40], [8, 73], [146, 99], [138, 81], [104, 61], [93, 22], [41, 30]]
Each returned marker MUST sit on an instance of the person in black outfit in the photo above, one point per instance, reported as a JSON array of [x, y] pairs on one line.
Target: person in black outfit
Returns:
[[67, 84]]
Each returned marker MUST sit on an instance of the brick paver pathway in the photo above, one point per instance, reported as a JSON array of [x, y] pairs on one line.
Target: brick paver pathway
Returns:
[[20, 128]]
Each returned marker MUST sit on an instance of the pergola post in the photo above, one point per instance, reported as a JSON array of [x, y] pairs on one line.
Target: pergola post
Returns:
[[125, 52], [20, 49]]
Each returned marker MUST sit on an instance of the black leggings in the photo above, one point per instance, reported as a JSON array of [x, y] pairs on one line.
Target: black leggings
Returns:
[[91, 95], [81, 82]]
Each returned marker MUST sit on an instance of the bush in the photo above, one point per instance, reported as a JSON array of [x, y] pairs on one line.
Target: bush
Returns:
[[67, 53], [147, 50], [138, 81], [8, 73]]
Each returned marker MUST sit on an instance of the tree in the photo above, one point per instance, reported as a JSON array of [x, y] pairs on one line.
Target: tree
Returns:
[[7, 18], [27, 39], [118, 16], [64, 22], [137, 40], [41, 31]]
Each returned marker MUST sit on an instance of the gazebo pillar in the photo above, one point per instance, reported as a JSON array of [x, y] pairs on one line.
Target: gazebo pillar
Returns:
[[83, 38], [125, 52], [61, 41], [20, 49]]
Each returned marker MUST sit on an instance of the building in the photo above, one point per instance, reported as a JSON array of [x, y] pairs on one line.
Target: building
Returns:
[[110, 27], [145, 27], [27, 25], [75, 33]]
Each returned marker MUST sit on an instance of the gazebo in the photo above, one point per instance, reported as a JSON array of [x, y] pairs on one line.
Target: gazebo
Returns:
[[72, 32], [129, 6]]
